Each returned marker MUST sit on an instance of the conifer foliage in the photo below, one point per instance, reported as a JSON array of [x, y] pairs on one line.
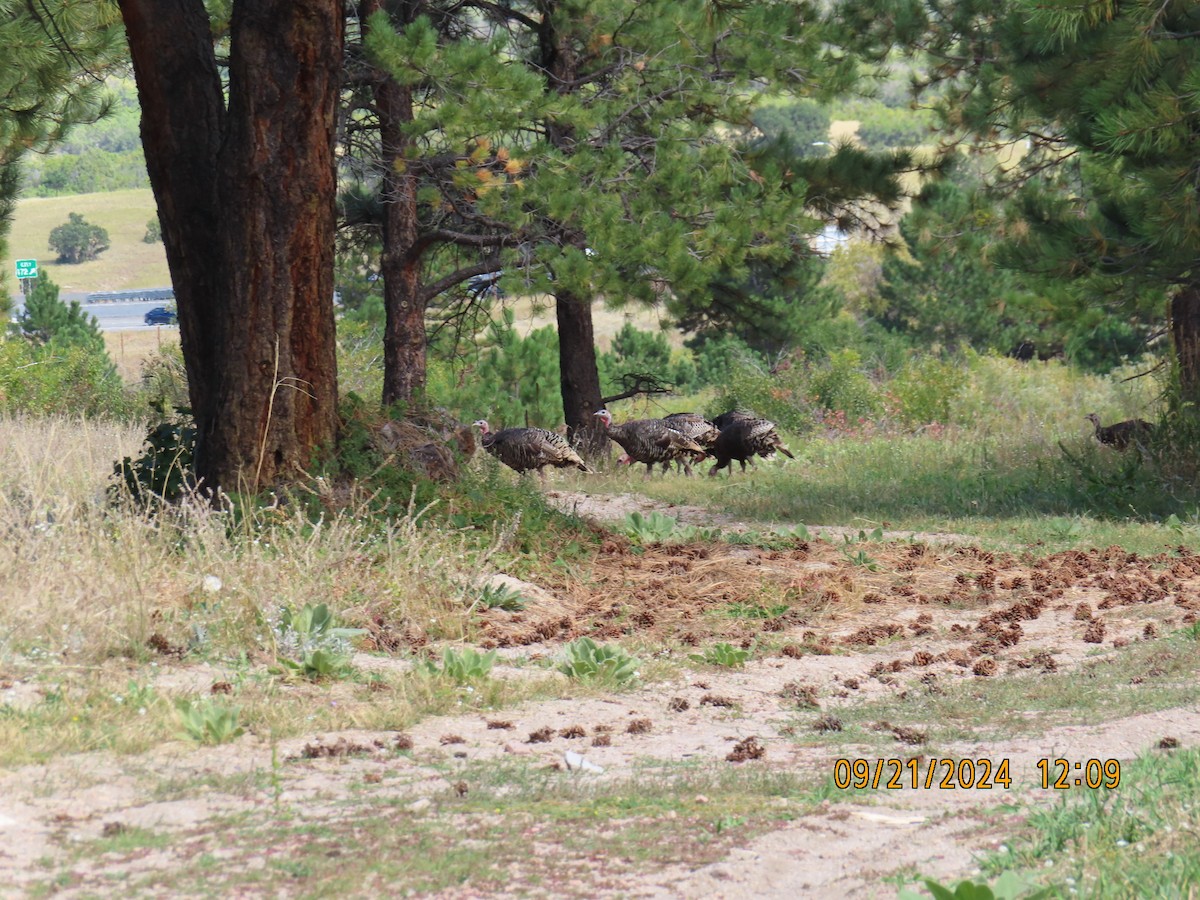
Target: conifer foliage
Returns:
[[46, 318], [1093, 107]]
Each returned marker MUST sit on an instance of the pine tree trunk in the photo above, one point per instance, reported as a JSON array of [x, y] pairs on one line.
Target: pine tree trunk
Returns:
[[579, 375], [246, 199], [1185, 334], [404, 362]]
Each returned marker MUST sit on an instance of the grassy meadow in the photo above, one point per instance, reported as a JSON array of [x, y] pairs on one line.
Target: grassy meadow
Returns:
[[128, 263], [131, 263]]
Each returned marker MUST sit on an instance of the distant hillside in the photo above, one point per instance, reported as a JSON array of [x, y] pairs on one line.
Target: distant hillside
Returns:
[[128, 263]]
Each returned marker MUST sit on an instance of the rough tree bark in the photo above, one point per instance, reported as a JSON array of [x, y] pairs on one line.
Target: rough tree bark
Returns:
[[246, 189], [404, 364], [1185, 335], [579, 374]]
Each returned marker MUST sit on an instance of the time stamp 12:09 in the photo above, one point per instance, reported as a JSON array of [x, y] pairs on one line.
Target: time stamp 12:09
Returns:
[[971, 774]]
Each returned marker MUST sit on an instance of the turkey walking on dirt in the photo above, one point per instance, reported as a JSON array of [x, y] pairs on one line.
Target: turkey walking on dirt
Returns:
[[651, 441], [744, 438], [523, 449], [1121, 434]]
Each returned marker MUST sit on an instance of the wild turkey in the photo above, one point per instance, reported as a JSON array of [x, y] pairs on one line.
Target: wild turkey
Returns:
[[725, 419], [651, 441], [523, 449], [745, 438], [1121, 434], [698, 428]]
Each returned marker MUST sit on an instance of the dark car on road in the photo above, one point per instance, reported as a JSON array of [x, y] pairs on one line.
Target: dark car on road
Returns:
[[160, 315]]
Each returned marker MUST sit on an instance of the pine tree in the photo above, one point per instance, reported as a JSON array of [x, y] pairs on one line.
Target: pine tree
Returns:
[[648, 182], [1093, 105], [433, 119], [51, 77], [239, 141], [46, 319]]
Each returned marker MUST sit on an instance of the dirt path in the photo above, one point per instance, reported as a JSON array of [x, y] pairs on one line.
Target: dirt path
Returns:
[[827, 631]]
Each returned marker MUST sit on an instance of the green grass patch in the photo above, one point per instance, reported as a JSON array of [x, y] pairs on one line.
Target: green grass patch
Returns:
[[1135, 840], [992, 488]]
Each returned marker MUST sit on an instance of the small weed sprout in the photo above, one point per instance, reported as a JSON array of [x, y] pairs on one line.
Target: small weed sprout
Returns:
[[463, 665], [588, 661], [1188, 527], [501, 596], [208, 721], [652, 529], [722, 654], [875, 535], [742, 610], [798, 532], [779, 539], [860, 558], [311, 644], [138, 697]]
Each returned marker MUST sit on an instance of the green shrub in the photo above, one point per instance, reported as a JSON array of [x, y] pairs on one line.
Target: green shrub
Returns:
[[780, 395], [72, 380], [840, 385], [884, 127], [77, 241], [804, 122], [164, 384], [165, 468], [926, 388], [86, 172]]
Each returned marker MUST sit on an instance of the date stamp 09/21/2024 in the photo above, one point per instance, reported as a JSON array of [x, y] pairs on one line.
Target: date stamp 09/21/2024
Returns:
[[971, 774]]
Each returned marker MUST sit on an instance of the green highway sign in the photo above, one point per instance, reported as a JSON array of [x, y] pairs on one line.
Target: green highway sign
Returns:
[[27, 268]]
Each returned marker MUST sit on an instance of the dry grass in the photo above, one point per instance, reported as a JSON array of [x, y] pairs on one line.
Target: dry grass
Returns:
[[537, 311], [129, 349], [83, 582]]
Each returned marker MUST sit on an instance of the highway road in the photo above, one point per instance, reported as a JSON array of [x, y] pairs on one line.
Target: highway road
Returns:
[[122, 316]]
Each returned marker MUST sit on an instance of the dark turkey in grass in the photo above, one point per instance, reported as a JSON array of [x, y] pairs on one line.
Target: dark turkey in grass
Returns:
[[742, 438], [652, 441], [523, 449], [1121, 434]]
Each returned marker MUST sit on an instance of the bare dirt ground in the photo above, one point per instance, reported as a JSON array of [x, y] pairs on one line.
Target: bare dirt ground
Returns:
[[830, 631]]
